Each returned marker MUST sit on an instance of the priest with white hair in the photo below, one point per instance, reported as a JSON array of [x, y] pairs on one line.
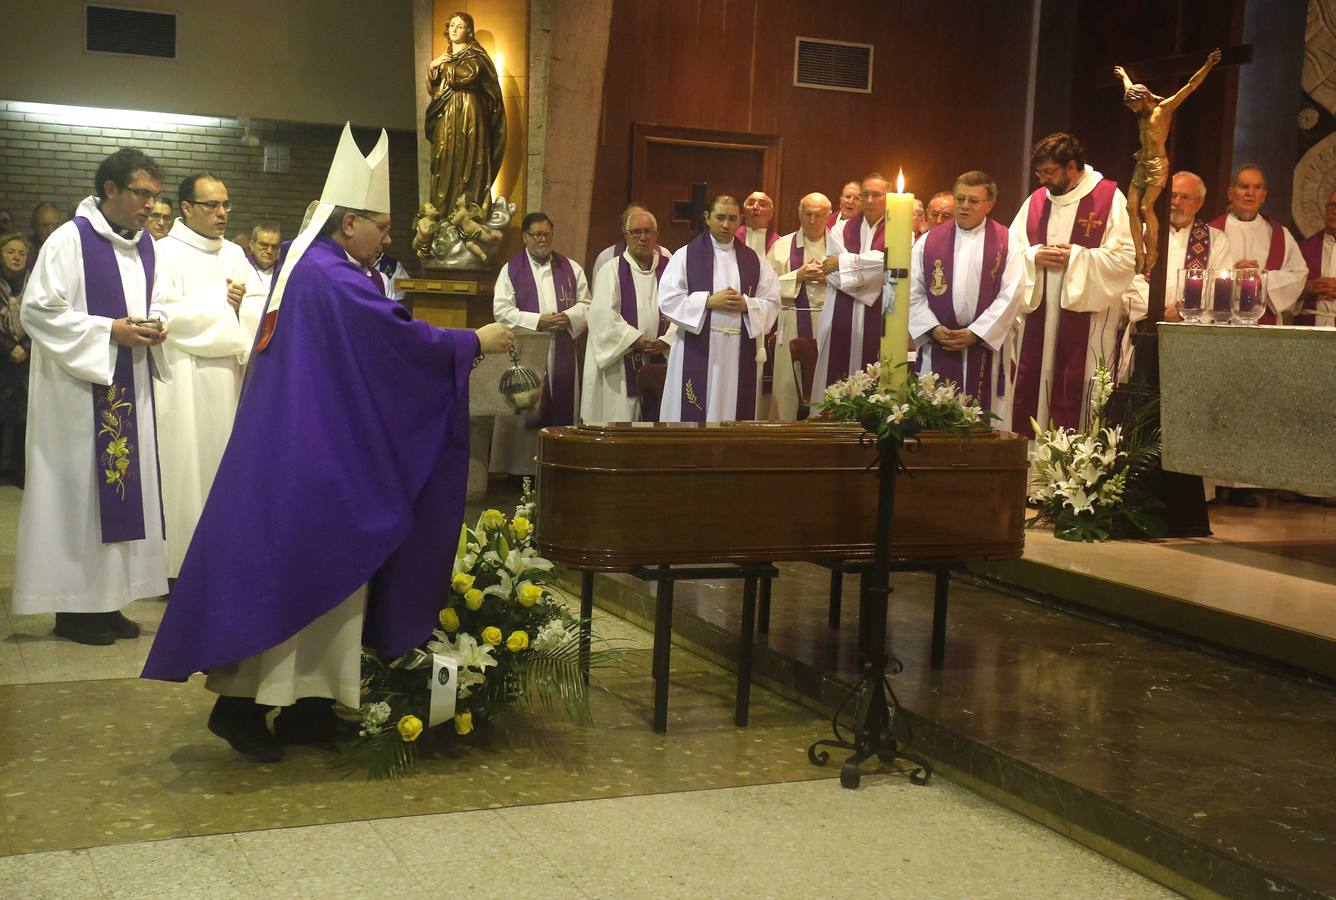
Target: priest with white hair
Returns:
[[626, 330], [347, 462]]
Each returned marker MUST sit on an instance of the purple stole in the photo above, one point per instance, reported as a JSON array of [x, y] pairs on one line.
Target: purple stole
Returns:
[[630, 310], [1275, 255], [696, 347], [559, 383], [967, 368], [1073, 339], [796, 262], [116, 448], [838, 363], [1198, 255], [1311, 248]]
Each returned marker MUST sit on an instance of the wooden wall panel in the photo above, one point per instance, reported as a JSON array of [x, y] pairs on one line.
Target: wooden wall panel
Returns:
[[949, 92]]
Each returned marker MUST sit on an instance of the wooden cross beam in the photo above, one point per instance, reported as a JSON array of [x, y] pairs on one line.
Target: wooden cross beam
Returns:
[[1148, 70], [691, 211]]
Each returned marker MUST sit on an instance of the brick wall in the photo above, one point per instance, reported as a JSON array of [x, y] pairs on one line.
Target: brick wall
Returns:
[[53, 157]]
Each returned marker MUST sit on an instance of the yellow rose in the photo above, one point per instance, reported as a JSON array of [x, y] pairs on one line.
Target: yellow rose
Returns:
[[409, 728], [463, 722], [491, 518], [530, 594], [473, 599], [461, 582], [449, 620], [520, 527], [517, 641], [491, 635]]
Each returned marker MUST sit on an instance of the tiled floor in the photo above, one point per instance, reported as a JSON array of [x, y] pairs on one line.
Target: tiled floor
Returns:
[[111, 787]]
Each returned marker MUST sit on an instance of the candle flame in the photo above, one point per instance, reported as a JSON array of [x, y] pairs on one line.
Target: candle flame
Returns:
[[900, 181]]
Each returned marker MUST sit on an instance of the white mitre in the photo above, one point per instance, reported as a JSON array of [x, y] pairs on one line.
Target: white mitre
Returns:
[[354, 182]]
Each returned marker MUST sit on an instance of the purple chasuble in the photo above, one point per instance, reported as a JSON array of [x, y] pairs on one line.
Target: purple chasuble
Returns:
[[967, 368], [839, 365], [347, 465], [800, 302], [1073, 338], [630, 310], [116, 447], [1311, 248], [559, 383], [696, 347]]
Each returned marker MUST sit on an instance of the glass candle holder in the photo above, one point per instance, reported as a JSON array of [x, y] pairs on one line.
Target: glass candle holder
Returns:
[[1191, 294], [1220, 307], [1249, 295]]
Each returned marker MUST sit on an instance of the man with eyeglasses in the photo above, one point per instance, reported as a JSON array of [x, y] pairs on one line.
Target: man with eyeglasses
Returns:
[[963, 298], [1260, 242], [1193, 245], [850, 334], [540, 290], [850, 206], [1319, 252], [90, 538], [941, 208], [626, 330], [266, 240], [205, 279], [618, 247], [1079, 259], [160, 220]]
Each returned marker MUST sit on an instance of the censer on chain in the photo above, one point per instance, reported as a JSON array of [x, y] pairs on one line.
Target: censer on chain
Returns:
[[521, 387]]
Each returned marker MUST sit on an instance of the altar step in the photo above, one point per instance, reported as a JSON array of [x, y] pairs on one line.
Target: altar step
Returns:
[[1211, 776]]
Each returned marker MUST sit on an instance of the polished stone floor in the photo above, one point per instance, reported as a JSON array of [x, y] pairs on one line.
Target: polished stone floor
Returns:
[[111, 787]]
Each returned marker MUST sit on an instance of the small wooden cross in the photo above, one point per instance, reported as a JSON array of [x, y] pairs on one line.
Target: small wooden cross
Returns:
[[691, 212]]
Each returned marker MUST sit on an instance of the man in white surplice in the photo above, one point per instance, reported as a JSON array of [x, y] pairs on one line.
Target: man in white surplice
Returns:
[[979, 266], [606, 394], [1077, 266], [1260, 242], [731, 314], [802, 293], [64, 562], [849, 335], [1187, 194], [205, 278]]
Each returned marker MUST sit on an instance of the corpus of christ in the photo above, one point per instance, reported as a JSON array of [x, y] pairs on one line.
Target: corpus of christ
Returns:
[[628, 449]]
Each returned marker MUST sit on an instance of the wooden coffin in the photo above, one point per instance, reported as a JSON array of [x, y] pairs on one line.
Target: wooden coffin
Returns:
[[616, 496]]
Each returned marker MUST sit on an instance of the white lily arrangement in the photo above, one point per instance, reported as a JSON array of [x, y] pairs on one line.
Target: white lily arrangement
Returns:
[[1080, 478], [926, 402]]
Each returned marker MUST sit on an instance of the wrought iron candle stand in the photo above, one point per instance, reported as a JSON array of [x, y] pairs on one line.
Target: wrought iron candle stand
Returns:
[[873, 731]]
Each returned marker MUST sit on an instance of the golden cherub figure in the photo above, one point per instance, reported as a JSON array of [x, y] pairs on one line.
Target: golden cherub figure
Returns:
[[1154, 116]]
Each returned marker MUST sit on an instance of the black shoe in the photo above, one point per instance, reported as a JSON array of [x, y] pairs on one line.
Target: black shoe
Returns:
[[85, 628], [312, 720], [240, 722], [119, 625]]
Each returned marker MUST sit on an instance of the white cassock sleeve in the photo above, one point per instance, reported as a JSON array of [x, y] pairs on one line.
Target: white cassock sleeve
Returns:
[[610, 335], [1284, 286], [763, 309], [1222, 254], [578, 311], [860, 275], [202, 322], [922, 320], [995, 323], [778, 257], [252, 310], [504, 309], [79, 343], [682, 308]]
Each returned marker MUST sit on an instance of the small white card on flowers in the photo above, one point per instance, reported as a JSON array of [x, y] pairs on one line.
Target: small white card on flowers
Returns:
[[444, 688]]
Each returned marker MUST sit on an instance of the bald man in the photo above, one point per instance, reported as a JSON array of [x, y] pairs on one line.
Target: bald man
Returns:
[[758, 223], [803, 290]]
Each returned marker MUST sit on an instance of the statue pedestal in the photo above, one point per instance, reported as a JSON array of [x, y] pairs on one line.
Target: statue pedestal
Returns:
[[450, 298]]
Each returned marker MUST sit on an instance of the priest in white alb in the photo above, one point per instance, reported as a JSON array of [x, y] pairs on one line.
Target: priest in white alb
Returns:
[[1079, 260], [724, 299], [849, 333], [205, 277], [90, 535], [963, 294], [1260, 242], [618, 247], [1193, 246], [626, 331], [803, 292]]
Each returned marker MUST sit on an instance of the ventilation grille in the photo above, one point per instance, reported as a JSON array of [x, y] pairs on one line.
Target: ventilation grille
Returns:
[[131, 31], [832, 65]]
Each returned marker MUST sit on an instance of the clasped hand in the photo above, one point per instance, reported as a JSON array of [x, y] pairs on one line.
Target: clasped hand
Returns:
[[234, 294], [1053, 256], [649, 346], [134, 332], [1325, 288], [954, 338], [728, 300], [813, 270], [558, 321]]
